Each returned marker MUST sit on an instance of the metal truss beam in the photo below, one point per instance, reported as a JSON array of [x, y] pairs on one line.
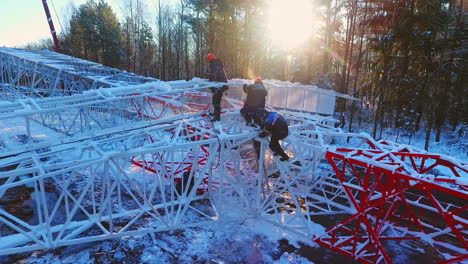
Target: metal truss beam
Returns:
[[43, 73], [101, 194], [396, 199], [30, 124], [143, 168], [119, 154], [126, 183]]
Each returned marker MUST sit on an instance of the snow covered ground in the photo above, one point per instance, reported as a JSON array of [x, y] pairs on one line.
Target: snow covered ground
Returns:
[[246, 241], [239, 243]]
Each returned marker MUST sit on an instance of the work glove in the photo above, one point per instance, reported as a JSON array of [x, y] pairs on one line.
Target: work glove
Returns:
[[263, 134], [284, 158]]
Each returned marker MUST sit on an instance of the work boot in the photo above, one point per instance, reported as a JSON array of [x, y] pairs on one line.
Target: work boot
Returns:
[[284, 157], [297, 163]]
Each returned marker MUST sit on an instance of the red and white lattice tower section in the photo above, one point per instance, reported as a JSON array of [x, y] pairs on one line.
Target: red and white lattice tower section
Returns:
[[399, 194]]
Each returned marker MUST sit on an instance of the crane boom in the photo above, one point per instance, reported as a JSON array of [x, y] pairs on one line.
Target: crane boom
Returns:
[[51, 25]]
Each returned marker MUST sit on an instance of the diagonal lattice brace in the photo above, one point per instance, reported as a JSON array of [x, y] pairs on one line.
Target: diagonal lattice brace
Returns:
[[389, 197]]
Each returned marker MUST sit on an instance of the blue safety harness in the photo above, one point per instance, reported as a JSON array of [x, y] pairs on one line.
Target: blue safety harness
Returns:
[[271, 118]]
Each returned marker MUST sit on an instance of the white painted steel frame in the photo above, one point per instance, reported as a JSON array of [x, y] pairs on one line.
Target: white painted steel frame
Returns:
[[96, 190], [284, 95], [86, 186], [43, 73], [101, 166], [93, 177], [99, 172], [95, 112]]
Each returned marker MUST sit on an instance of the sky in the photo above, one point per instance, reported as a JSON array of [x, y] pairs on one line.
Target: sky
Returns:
[[24, 21]]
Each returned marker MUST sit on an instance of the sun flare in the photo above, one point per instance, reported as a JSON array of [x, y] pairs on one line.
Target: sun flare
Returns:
[[290, 22]]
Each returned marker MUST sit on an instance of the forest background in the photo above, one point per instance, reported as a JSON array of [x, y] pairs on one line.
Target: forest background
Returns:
[[405, 59]]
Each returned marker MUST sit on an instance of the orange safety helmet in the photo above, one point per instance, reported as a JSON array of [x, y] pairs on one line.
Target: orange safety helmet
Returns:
[[211, 57], [258, 80]]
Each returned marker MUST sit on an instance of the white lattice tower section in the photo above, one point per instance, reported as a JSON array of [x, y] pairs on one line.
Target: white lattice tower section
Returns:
[[125, 183], [43, 73], [29, 124], [120, 155]]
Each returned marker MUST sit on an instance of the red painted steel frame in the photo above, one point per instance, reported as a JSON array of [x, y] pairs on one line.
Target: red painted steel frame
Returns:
[[394, 200], [185, 164]]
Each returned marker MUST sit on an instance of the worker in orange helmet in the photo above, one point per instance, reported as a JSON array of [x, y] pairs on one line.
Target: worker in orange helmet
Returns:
[[216, 74], [255, 101]]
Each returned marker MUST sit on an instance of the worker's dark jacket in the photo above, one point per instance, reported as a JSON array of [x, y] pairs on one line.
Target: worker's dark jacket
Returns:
[[256, 96], [217, 73], [275, 124]]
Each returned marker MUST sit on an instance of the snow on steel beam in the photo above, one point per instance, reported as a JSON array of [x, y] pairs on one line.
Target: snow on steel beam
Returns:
[[43, 73], [396, 199], [135, 173], [298, 191], [92, 191], [30, 124]]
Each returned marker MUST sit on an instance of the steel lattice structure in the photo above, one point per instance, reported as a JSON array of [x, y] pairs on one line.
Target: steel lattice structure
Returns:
[[399, 194], [97, 189], [95, 175], [43, 73], [142, 157], [27, 123]]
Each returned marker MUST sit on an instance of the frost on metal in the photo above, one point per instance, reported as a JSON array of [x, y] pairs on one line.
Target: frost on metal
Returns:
[[139, 157], [43, 73], [399, 194], [97, 112]]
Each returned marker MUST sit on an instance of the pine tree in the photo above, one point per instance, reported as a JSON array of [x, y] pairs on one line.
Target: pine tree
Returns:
[[95, 34]]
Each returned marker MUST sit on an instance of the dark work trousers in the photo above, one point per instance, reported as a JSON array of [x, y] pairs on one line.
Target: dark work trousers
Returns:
[[257, 146], [216, 101], [247, 115], [251, 114], [276, 147], [280, 132]]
